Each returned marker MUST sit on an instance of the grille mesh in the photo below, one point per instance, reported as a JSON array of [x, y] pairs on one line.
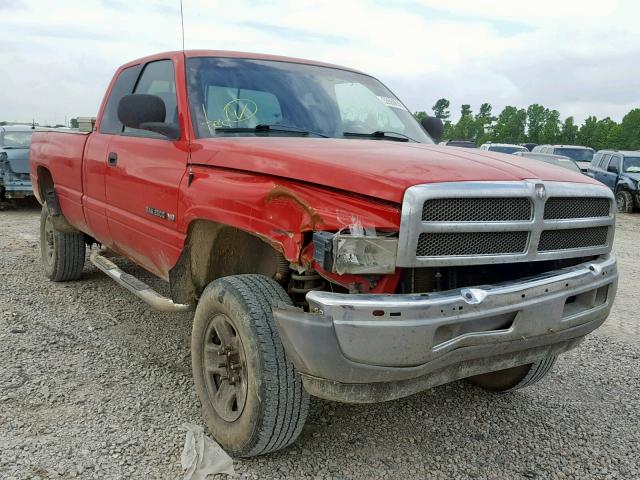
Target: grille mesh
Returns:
[[559, 208], [476, 210], [575, 238], [474, 243]]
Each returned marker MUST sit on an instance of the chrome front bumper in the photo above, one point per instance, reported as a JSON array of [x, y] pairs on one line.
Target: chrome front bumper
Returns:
[[349, 345]]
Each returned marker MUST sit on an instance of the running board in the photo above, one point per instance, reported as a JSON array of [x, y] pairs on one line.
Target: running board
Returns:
[[140, 289]]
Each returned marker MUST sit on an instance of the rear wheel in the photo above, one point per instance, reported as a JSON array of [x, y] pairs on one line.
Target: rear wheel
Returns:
[[624, 201], [253, 401], [514, 378], [62, 253]]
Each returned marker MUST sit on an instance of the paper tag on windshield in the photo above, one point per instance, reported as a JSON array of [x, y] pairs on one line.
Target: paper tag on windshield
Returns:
[[391, 102]]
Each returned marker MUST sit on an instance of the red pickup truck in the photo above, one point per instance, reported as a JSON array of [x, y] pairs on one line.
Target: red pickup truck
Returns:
[[328, 246]]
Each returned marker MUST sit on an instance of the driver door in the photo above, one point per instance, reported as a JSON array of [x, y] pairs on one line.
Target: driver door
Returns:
[[143, 175]]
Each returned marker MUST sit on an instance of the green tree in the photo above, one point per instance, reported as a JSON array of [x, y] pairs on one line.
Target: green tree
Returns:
[[587, 132], [536, 115], [630, 128], [551, 130], [74, 123], [441, 109], [465, 128], [615, 137], [569, 132], [601, 135], [510, 125], [484, 123]]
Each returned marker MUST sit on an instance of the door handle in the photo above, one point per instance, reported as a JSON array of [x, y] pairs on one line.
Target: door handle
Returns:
[[112, 159]]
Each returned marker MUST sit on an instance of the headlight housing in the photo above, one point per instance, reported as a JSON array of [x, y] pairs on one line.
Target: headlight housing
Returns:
[[357, 254]]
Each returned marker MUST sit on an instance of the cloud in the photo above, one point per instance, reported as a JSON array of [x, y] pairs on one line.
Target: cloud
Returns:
[[575, 56]]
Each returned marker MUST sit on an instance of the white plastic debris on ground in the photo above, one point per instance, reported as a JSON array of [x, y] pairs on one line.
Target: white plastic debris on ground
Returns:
[[201, 456]]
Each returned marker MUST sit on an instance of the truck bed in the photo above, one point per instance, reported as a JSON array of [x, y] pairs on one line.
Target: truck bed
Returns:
[[60, 153]]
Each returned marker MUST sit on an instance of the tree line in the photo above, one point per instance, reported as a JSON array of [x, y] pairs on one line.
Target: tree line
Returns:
[[537, 124]]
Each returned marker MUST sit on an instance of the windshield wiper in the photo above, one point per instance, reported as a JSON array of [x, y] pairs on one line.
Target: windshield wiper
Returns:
[[270, 128], [395, 136]]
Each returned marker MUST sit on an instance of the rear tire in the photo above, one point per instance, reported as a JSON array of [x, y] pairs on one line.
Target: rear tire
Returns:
[[624, 201], [514, 378], [253, 401], [62, 253]]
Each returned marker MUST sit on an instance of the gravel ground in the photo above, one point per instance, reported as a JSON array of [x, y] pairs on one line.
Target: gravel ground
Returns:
[[93, 384]]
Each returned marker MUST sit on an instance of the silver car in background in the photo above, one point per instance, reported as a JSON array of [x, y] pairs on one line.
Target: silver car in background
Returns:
[[559, 160], [579, 154]]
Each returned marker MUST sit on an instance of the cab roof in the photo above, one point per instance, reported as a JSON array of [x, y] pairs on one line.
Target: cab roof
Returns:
[[234, 54]]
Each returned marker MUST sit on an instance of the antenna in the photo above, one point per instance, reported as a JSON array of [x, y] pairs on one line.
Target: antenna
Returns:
[[182, 23]]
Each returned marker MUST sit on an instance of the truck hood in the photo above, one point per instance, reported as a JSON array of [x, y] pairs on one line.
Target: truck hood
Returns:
[[376, 168], [18, 159], [633, 176]]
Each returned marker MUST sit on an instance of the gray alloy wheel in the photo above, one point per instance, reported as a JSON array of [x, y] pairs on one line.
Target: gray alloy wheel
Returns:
[[624, 201], [63, 254], [253, 401]]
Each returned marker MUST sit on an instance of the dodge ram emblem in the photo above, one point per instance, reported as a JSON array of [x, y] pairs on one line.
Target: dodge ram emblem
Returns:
[[541, 192]]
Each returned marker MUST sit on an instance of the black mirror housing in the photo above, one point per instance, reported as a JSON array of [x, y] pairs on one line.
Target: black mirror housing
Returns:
[[612, 169], [146, 112], [434, 127]]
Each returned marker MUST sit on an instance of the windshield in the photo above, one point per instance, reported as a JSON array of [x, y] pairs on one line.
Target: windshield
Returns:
[[632, 164], [505, 149], [577, 154], [237, 95], [17, 139]]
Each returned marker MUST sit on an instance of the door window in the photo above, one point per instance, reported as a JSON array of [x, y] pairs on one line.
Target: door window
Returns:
[[123, 86], [158, 78], [616, 162]]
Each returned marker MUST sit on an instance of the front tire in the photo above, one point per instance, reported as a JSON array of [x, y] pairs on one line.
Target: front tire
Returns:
[[253, 401], [514, 378], [624, 201], [62, 253]]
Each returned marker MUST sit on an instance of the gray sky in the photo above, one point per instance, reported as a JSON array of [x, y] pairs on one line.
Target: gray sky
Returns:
[[580, 57]]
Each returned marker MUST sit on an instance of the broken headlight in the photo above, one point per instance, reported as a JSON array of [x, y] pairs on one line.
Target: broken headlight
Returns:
[[358, 254]]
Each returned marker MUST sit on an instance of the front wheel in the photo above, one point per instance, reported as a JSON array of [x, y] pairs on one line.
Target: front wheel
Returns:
[[514, 378], [624, 201], [253, 401], [62, 253]]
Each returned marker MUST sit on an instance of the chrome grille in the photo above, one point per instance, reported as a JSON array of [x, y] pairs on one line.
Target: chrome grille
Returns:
[[560, 208], [476, 210], [551, 240], [475, 243], [477, 223]]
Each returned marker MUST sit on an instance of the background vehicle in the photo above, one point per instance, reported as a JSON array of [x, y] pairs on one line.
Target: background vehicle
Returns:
[[529, 146], [558, 160], [620, 171], [503, 147], [459, 143], [14, 162], [581, 155], [329, 251]]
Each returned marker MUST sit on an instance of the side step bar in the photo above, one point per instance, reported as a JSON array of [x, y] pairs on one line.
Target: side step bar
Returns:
[[140, 289]]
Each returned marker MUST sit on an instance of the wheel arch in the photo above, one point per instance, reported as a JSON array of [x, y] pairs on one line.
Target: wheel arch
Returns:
[[213, 250], [45, 183]]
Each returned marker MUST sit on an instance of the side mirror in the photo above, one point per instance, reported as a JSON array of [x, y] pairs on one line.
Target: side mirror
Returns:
[[146, 112], [613, 169], [434, 127]]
